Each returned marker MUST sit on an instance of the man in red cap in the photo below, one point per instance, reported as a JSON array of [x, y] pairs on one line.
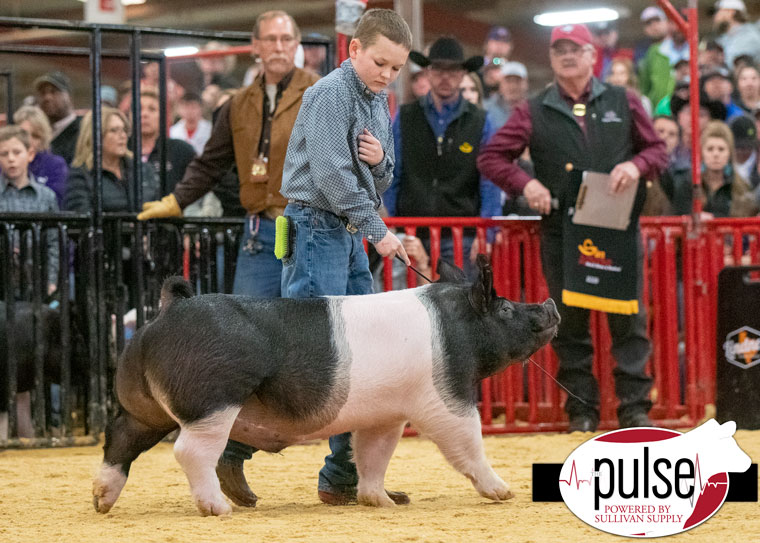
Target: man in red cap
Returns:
[[574, 125]]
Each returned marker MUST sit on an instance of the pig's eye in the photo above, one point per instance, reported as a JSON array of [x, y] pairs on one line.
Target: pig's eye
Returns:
[[506, 309]]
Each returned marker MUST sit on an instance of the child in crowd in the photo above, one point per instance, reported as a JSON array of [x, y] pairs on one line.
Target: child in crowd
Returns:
[[20, 192], [339, 161]]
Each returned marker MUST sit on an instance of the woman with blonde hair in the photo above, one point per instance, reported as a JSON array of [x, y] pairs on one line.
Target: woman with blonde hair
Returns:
[[724, 192], [118, 176], [48, 169]]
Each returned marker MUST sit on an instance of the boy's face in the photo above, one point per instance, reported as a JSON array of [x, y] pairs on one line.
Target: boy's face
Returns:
[[379, 64], [14, 158]]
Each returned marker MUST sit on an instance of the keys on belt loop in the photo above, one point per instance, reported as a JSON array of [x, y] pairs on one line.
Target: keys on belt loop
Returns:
[[253, 244], [351, 228]]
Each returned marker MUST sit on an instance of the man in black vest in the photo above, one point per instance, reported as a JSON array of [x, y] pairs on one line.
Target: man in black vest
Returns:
[[580, 123], [435, 174]]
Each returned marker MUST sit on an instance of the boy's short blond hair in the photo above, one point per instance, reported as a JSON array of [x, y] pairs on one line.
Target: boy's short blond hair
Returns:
[[12, 131], [383, 22]]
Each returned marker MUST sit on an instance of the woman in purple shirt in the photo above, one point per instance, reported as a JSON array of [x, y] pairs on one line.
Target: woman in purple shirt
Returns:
[[48, 169]]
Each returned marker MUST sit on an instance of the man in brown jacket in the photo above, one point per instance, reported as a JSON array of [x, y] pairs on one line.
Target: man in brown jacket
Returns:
[[252, 131]]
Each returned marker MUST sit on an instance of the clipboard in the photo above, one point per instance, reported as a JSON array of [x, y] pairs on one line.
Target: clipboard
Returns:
[[595, 206]]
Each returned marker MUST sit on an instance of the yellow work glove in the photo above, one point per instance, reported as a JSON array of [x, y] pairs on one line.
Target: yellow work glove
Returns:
[[159, 209]]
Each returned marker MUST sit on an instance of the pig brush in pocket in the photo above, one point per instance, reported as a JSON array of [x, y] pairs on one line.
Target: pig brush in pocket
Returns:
[[283, 237]]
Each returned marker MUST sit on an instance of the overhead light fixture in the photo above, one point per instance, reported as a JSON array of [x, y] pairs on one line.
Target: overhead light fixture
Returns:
[[180, 51], [124, 2], [576, 16]]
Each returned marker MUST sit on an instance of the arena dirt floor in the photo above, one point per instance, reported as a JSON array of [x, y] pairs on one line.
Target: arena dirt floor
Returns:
[[45, 496]]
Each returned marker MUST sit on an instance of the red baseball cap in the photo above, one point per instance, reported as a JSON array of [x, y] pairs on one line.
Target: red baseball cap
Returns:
[[579, 34]]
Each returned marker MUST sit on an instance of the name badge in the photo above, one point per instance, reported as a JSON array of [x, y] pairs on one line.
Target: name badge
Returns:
[[259, 170], [579, 110]]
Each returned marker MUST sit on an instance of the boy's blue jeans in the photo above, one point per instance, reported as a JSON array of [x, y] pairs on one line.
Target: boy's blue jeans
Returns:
[[327, 260]]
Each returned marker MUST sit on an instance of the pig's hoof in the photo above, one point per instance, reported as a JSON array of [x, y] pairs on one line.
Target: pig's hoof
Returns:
[[100, 504], [106, 487], [213, 507], [233, 483], [379, 499], [399, 498], [497, 491]]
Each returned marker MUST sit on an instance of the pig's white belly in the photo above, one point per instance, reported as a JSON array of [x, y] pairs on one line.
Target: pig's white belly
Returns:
[[386, 354]]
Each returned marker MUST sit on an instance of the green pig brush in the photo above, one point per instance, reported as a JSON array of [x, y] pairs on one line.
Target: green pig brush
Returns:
[[283, 237]]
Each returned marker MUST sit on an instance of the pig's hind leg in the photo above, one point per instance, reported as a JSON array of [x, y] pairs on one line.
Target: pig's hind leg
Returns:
[[126, 438], [373, 449], [197, 449], [461, 442]]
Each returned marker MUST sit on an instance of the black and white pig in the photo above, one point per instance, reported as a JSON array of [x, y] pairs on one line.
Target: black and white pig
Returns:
[[271, 373]]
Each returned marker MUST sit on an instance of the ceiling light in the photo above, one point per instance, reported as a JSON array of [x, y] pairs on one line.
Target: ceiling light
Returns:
[[180, 51], [576, 16], [124, 2]]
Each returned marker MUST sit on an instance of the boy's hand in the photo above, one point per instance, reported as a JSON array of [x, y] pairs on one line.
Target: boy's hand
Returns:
[[370, 149], [391, 246]]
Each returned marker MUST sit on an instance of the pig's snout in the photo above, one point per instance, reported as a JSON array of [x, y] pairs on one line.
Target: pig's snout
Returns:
[[545, 316], [551, 309]]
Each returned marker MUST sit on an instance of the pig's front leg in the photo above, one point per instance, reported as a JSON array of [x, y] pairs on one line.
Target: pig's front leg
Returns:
[[197, 449], [461, 442], [373, 449]]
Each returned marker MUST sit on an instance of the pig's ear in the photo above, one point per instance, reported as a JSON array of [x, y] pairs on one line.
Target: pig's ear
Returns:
[[449, 273], [482, 293]]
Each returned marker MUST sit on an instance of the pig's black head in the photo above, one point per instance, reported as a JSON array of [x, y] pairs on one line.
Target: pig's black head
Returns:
[[496, 330]]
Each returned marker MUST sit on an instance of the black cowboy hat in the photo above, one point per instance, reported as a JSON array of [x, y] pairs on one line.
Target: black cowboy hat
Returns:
[[447, 51]]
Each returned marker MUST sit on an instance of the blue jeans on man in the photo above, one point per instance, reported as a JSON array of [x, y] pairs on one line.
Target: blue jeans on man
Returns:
[[258, 272], [327, 260]]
